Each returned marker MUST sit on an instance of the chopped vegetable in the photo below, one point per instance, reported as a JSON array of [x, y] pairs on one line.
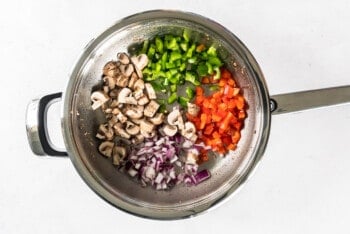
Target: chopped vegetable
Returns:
[[157, 163], [221, 115], [176, 61]]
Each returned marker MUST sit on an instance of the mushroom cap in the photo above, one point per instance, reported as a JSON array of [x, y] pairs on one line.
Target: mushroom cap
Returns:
[[140, 61], [124, 96], [192, 109], [189, 130], [119, 154], [157, 119], [123, 58], [147, 134], [110, 68], [132, 128], [106, 131], [134, 112], [138, 139], [127, 69], [175, 118], [106, 148], [170, 130], [98, 98], [118, 130]]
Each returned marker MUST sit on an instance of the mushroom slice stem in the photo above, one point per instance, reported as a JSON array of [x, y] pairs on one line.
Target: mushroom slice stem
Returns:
[[150, 91], [151, 108], [133, 78]]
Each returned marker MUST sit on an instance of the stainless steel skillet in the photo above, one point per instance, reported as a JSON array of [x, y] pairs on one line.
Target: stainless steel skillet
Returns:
[[79, 122]]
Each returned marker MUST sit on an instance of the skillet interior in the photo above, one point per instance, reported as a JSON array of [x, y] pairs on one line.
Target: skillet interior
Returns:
[[80, 122]]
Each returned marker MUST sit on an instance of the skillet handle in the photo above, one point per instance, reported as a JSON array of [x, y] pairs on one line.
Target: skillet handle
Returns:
[[298, 101], [36, 125]]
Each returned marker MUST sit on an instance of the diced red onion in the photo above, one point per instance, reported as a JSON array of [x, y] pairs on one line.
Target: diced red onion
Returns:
[[155, 160]]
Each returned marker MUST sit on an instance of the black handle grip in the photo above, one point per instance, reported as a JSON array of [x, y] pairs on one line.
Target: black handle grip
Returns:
[[42, 125]]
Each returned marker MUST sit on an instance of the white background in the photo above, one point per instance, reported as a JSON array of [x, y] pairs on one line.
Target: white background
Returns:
[[302, 184]]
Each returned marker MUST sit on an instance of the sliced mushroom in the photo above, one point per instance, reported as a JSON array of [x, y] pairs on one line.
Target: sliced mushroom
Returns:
[[110, 81], [126, 70], [138, 139], [143, 100], [194, 138], [122, 80], [150, 91], [107, 110], [105, 89], [157, 119], [119, 153], [118, 130], [192, 109], [105, 131], [113, 93], [111, 69], [138, 93], [98, 98], [136, 121], [115, 111], [113, 121], [146, 126], [151, 108], [121, 117], [170, 130], [139, 84], [148, 134], [133, 78], [106, 148], [125, 97], [123, 58], [134, 112], [189, 130], [140, 61], [191, 157], [138, 72], [132, 128], [175, 118], [114, 103]]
